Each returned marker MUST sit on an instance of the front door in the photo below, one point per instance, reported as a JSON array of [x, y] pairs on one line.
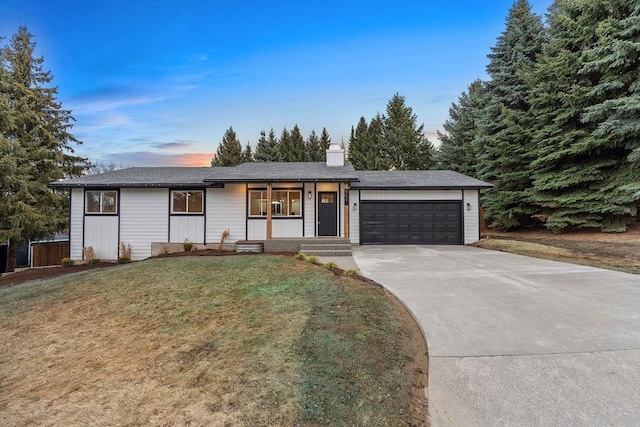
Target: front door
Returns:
[[327, 214]]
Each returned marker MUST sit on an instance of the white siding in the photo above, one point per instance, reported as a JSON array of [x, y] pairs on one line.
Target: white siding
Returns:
[[76, 227], [286, 228], [101, 232], [410, 195], [257, 229], [472, 216], [184, 227], [309, 211], [226, 210], [144, 218], [354, 216]]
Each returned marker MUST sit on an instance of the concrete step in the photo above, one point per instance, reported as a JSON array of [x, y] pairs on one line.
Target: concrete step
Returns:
[[328, 253], [325, 246]]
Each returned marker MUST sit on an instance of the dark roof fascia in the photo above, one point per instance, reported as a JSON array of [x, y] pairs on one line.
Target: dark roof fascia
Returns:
[[129, 185], [386, 187], [236, 180]]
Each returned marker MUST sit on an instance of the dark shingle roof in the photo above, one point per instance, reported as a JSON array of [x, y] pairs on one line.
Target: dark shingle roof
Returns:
[[287, 172], [274, 172], [433, 179]]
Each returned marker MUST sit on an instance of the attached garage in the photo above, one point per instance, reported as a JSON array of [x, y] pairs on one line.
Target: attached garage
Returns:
[[411, 222], [415, 207]]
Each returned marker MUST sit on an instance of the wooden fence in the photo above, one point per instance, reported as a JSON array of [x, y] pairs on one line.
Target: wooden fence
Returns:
[[49, 253]]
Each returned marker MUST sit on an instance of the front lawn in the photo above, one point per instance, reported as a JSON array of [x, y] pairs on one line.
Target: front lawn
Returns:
[[253, 340]]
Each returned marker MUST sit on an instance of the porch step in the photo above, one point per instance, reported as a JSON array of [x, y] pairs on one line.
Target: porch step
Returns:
[[323, 248]]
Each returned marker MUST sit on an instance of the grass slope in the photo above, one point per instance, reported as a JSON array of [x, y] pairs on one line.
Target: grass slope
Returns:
[[207, 341]]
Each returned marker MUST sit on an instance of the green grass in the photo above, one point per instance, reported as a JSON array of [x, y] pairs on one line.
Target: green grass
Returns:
[[241, 340]]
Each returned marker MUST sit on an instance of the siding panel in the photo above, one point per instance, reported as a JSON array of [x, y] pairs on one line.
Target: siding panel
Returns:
[[471, 217], [354, 217], [101, 232], [309, 211], [189, 228], [144, 214], [410, 195], [76, 227], [226, 210]]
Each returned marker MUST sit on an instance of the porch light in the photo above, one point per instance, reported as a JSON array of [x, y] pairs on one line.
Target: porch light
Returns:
[[468, 206], [309, 195], [355, 206]]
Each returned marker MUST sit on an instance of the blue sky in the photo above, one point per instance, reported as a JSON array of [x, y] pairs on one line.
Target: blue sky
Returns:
[[155, 83]]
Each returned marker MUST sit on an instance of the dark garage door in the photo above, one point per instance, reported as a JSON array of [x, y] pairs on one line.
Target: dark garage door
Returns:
[[410, 222]]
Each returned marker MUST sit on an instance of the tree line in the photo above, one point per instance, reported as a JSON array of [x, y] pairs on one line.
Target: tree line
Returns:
[[291, 146], [556, 126]]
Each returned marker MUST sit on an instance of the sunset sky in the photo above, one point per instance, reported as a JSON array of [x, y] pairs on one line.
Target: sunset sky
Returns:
[[155, 83]]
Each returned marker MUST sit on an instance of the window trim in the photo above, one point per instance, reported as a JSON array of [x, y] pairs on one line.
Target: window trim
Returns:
[[186, 212], [273, 216], [101, 212]]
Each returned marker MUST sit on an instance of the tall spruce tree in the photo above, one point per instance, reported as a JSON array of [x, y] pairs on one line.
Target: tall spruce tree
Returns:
[[247, 154], [325, 142], [457, 149], [313, 152], [268, 149], [292, 145], [229, 151], [406, 146], [35, 147], [359, 147], [581, 161], [504, 140]]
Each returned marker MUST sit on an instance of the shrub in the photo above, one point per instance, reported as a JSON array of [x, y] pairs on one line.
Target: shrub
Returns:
[[351, 272], [67, 262], [330, 264], [125, 253], [224, 236], [300, 255], [187, 245], [94, 261], [312, 259], [89, 253]]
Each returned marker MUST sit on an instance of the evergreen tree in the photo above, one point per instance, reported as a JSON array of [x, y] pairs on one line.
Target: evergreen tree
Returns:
[[504, 140], [581, 159], [325, 142], [359, 147], [406, 145], [378, 157], [292, 145], [229, 151], [313, 152], [268, 148], [247, 154], [35, 147], [457, 148]]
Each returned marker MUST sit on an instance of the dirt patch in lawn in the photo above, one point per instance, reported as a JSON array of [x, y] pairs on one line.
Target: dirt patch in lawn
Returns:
[[615, 251]]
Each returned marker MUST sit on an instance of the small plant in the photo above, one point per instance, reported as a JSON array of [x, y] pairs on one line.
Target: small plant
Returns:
[[89, 254], [125, 253], [94, 261], [67, 262], [312, 259], [187, 245], [224, 236], [351, 272], [300, 256], [330, 264]]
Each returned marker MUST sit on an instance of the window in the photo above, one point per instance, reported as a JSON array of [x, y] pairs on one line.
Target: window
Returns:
[[283, 203], [101, 202], [187, 202]]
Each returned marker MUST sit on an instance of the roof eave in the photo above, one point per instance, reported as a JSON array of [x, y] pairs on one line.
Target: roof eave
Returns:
[[421, 187]]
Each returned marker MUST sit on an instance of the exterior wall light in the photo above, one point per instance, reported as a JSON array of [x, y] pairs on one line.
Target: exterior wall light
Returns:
[[468, 206], [309, 195], [355, 206]]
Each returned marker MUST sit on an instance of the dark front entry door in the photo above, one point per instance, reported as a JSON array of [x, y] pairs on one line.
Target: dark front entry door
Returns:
[[327, 214]]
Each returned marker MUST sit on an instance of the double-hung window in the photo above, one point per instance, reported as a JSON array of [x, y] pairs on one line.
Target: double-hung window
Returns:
[[187, 202], [101, 202], [284, 203]]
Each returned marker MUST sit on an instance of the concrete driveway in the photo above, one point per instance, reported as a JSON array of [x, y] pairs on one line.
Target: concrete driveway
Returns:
[[515, 340]]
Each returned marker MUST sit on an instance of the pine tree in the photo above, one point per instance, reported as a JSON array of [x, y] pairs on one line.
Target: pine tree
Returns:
[[313, 152], [582, 150], [35, 147], [457, 148], [406, 145], [292, 145], [268, 149], [247, 154], [504, 141], [359, 146], [229, 151], [325, 142]]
